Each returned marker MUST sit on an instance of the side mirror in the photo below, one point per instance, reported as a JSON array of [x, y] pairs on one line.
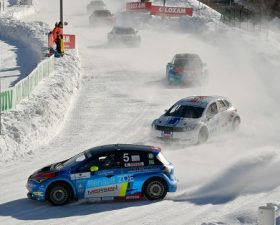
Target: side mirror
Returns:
[[94, 168]]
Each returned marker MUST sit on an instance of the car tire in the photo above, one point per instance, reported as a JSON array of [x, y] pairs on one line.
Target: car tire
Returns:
[[202, 135], [155, 189], [59, 194], [235, 124]]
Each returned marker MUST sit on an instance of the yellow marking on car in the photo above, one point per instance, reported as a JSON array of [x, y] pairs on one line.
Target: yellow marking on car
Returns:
[[123, 187]]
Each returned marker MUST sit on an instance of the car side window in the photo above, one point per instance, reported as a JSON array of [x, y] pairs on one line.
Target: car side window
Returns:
[[227, 103], [212, 110], [104, 161], [221, 105]]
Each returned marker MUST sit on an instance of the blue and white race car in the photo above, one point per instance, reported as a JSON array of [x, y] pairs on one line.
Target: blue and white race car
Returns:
[[195, 118], [105, 173], [187, 69]]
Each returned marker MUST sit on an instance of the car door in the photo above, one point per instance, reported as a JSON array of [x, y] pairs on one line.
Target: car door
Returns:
[[223, 114], [97, 177], [212, 117]]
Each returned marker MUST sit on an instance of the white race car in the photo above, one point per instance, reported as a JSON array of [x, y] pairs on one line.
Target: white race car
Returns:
[[195, 118], [124, 35]]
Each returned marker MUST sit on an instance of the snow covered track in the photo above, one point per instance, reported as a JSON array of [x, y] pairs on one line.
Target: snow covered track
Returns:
[[122, 90]]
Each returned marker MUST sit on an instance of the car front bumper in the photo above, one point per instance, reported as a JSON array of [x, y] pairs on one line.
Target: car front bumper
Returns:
[[190, 136], [36, 191]]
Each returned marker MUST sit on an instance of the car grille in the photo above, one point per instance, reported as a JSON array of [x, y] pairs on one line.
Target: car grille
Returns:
[[174, 129]]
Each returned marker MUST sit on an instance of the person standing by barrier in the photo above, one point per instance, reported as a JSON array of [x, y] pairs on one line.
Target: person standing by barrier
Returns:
[[54, 31], [60, 28], [51, 44], [60, 47], [55, 40], [57, 30]]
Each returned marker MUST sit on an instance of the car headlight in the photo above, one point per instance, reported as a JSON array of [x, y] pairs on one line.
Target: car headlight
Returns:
[[154, 124]]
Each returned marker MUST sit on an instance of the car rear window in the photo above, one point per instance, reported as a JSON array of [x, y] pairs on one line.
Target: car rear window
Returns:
[[191, 62], [124, 30]]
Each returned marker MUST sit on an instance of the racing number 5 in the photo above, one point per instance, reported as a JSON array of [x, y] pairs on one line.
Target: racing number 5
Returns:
[[125, 157]]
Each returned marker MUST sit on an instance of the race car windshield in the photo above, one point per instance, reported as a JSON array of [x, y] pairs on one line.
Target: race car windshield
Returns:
[[102, 13], [124, 31], [77, 158], [185, 111]]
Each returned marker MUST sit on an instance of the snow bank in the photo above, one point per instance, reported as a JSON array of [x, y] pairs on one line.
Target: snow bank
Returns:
[[32, 35], [37, 119], [12, 10]]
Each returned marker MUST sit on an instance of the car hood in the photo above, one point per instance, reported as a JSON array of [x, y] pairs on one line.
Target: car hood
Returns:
[[172, 121], [49, 168]]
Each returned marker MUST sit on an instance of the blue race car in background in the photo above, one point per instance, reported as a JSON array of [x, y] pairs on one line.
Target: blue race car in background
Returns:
[[105, 173], [187, 69]]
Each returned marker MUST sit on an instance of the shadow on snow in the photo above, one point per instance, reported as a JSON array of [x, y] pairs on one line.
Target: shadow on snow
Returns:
[[25, 209]]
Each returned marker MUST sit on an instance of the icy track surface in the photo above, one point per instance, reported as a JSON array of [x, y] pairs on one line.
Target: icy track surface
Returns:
[[123, 90]]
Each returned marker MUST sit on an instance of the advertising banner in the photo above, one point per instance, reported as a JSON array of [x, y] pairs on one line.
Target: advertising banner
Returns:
[[69, 41], [138, 6], [171, 11]]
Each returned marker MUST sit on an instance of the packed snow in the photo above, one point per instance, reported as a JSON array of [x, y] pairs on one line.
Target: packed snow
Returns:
[[121, 91]]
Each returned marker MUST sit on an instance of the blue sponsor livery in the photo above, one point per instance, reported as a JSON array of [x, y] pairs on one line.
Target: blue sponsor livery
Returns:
[[105, 173]]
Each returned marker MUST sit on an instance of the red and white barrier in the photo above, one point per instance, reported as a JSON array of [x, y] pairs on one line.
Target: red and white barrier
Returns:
[[171, 11], [159, 10], [69, 41], [138, 6]]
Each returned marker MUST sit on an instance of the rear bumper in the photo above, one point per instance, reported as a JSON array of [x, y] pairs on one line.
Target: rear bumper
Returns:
[[172, 186], [179, 78]]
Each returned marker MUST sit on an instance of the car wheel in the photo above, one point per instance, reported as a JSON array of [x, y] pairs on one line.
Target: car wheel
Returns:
[[155, 189], [202, 135], [235, 124], [59, 194]]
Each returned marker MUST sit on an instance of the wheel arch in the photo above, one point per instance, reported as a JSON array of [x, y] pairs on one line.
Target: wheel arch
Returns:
[[65, 182], [199, 128], [154, 178]]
